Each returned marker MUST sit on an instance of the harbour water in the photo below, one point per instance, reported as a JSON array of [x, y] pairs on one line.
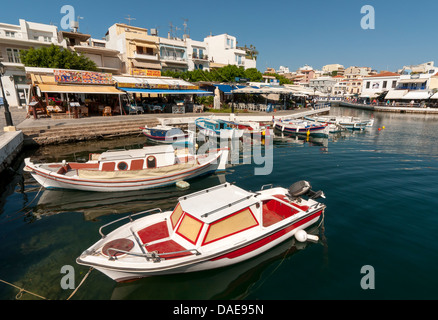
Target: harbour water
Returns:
[[382, 194]]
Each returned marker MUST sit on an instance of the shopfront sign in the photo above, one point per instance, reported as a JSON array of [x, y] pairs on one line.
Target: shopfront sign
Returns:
[[146, 72], [82, 77]]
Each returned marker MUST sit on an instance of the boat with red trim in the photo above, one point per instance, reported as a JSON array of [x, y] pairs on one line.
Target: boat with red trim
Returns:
[[208, 229], [167, 134], [297, 126], [126, 170]]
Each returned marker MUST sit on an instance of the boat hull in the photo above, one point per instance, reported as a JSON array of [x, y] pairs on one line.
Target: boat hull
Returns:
[[318, 130], [52, 180], [222, 259]]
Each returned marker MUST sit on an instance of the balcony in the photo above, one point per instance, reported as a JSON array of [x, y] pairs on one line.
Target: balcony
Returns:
[[144, 56], [203, 57], [173, 59]]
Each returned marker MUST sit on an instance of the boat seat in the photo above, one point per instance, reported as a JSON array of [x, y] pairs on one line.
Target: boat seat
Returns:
[[275, 211], [168, 246], [154, 232]]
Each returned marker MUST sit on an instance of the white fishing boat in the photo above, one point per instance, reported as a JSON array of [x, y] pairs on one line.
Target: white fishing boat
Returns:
[[167, 134], [297, 126], [211, 127], [208, 229], [125, 170], [352, 123]]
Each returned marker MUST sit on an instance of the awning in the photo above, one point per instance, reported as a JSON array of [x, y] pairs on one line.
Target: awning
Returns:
[[225, 88], [412, 80], [413, 95], [395, 94], [146, 65], [166, 91], [435, 96], [91, 89]]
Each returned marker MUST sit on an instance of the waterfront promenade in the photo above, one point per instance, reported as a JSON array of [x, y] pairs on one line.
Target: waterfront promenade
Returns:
[[45, 131], [387, 108]]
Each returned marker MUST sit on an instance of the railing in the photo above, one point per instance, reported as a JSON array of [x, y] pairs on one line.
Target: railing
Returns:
[[145, 56], [154, 256], [173, 58], [127, 217]]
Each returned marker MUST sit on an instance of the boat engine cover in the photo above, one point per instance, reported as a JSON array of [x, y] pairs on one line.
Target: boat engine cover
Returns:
[[299, 188]]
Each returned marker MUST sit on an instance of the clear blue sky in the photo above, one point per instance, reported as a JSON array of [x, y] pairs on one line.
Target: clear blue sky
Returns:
[[285, 32]]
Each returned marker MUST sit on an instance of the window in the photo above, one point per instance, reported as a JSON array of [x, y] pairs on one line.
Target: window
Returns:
[[122, 166], [230, 225], [394, 83], [47, 39], [368, 84], [385, 84], [176, 214], [151, 162], [10, 34], [189, 228], [13, 55]]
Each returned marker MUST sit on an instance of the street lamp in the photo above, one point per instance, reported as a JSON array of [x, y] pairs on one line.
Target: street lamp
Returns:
[[5, 102]]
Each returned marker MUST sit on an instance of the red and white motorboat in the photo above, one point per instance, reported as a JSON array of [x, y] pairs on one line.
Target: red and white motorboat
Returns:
[[212, 228], [126, 170]]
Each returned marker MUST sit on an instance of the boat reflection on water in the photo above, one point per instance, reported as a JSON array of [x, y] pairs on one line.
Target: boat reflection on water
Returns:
[[234, 282], [286, 138], [96, 204]]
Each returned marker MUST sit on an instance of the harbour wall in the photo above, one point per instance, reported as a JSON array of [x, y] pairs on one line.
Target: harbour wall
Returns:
[[11, 144], [395, 109]]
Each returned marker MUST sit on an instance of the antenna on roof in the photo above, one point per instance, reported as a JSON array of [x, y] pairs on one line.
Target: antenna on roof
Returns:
[[186, 29], [129, 19]]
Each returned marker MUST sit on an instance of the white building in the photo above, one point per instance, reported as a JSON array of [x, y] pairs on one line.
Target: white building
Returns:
[[323, 84], [173, 54], [222, 51], [374, 85], [197, 54], [14, 38], [106, 59]]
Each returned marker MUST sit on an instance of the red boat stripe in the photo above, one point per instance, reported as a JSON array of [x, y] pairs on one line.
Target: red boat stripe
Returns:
[[264, 241]]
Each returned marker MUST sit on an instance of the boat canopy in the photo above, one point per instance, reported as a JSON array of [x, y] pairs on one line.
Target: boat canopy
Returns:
[[218, 202]]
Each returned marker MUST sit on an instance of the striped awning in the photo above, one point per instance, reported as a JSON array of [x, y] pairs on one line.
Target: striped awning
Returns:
[[90, 89], [166, 91]]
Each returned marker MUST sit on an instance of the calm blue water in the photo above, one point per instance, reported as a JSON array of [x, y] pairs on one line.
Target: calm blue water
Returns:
[[382, 194]]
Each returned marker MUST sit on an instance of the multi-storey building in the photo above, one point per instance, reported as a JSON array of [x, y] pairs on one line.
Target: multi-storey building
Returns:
[[173, 54], [197, 54], [376, 84], [139, 50], [338, 69], [222, 51], [323, 84], [14, 38], [106, 59]]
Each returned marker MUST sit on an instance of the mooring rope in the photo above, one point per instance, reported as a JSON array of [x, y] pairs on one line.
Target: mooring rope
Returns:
[[20, 293], [85, 277], [21, 290]]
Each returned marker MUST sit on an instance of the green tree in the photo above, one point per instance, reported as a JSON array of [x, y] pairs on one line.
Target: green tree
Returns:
[[57, 58], [253, 75]]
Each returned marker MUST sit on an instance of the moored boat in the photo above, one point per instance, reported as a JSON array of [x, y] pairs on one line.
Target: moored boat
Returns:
[[352, 123], [212, 228], [166, 134], [297, 126], [125, 170], [211, 127]]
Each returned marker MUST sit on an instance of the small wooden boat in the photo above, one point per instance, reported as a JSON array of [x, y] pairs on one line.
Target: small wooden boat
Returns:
[[210, 127], [125, 170], [208, 229], [351, 123], [297, 126], [166, 134]]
